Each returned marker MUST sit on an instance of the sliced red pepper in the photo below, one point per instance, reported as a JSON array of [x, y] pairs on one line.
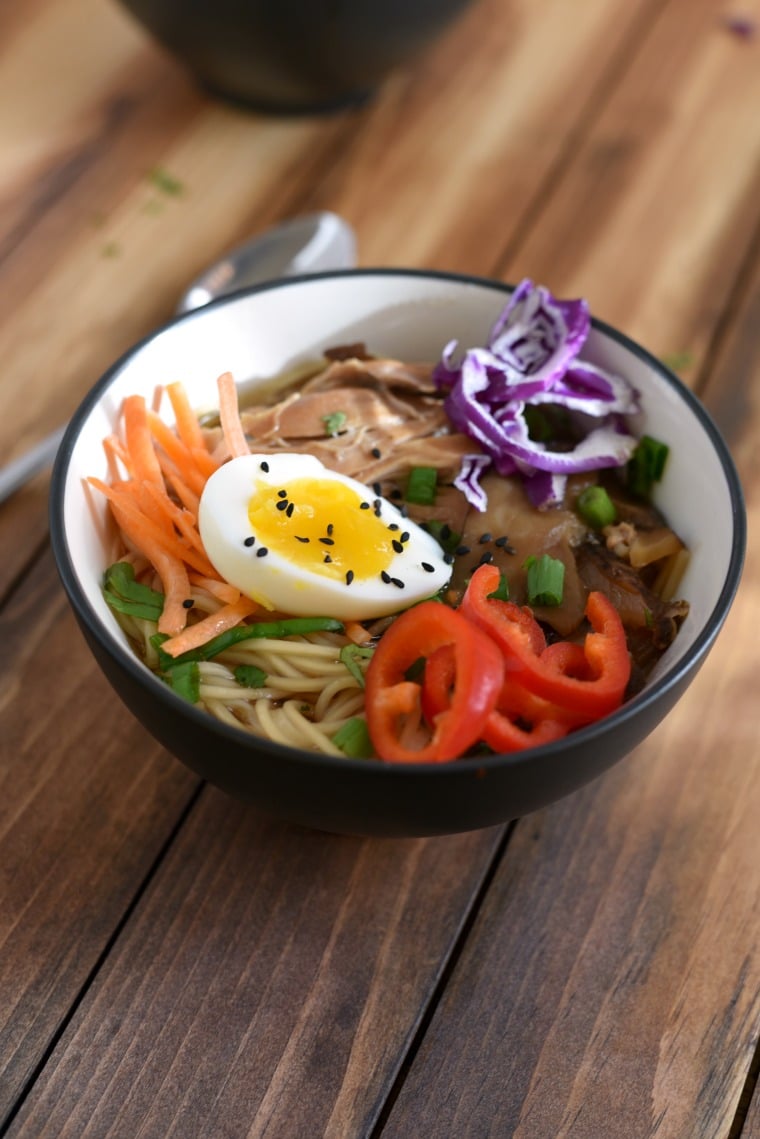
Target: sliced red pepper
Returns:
[[473, 679], [590, 679]]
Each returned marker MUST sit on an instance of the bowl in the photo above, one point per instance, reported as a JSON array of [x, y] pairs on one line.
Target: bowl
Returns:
[[268, 330], [293, 55]]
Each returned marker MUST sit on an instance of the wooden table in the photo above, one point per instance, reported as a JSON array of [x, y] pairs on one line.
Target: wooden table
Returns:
[[175, 964]]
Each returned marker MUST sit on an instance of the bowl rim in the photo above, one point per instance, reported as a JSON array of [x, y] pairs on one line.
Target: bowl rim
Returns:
[[174, 703]]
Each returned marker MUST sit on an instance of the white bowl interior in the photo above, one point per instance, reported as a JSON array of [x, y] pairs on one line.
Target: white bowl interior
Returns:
[[411, 317]]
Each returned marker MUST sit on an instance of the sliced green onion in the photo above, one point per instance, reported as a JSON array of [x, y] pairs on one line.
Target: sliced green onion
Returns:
[[185, 680], [545, 581], [335, 422], [126, 595], [422, 485], [250, 676], [501, 593], [646, 465], [349, 656], [596, 507], [443, 534], [292, 627], [353, 739]]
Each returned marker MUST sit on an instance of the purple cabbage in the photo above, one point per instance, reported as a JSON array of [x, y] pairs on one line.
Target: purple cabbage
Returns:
[[532, 359]]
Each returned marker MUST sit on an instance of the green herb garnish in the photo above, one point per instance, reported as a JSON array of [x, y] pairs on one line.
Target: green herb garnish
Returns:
[[596, 507], [185, 680], [545, 580], [350, 656], [292, 627], [353, 739], [126, 595], [334, 422], [250, 675], [165, 182], [422, 485], [646, 465], [501, 593]]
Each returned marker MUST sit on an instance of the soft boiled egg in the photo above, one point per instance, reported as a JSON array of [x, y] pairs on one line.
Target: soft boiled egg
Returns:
[[305, 540]]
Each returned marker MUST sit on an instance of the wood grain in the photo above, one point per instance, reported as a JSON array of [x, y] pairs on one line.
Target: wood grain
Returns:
[[86, 803], [181, 966], [267, 985]]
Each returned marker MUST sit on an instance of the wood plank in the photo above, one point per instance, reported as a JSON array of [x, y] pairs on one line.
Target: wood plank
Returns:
[[79, 827], [268, 983], [621, 930], [660, 203]]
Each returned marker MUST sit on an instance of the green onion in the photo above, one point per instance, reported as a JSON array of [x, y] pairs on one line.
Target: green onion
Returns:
[[126, 595], [349, 655], [353, 739], [646, 465], [165, 182], [422, 485], [292, 627], [596, 507], [334, 422], [501, 593], [250, 676], [185, 680], [443, 534], [545, 580]]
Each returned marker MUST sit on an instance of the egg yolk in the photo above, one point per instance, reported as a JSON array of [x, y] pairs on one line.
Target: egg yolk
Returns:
[[323, 527]]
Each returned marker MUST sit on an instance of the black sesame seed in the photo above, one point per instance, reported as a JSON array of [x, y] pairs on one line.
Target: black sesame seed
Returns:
[[386, 577], [264, 467], [501, 542], [395, 495], [364, 506], [290, 509], [427, 567], [448, 558], [403, 511], [188, 603], [249, 541], [397, 546], [326, 559], [300, 539], [330, 529], [445, 531], [485, 558], [394, 526], [485, 537], [349, 576], [282, 504], [397, 582], [375, 453], [327, 541], [282, 494], [404, 537], [461, 551], [262, 552], [377, 488]]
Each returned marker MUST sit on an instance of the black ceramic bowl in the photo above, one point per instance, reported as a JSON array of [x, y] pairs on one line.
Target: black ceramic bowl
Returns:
[[293, 55], [411, 315]]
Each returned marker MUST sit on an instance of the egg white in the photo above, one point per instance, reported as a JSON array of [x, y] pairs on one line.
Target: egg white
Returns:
[[413, 572]]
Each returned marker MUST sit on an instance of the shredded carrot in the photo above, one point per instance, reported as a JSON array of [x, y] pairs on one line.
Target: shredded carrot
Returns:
[[154, 535], [171, 570], [182, 518], [229, 416], [222, 590], [188, 427], [138, 441], [116, 453], [357, 633], [195, 635], [178, 453]]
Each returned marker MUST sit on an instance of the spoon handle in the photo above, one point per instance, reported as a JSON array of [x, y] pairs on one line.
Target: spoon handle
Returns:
[[21, 470]]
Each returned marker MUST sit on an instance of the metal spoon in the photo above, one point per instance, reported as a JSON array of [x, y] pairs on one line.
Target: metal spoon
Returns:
[[307, 244]]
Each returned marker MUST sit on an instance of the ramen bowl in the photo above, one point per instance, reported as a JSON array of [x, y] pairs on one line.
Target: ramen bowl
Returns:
[[267, 331]]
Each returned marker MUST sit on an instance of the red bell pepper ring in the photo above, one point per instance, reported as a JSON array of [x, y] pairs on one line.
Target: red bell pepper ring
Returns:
[[592, 684], [473, 683]]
